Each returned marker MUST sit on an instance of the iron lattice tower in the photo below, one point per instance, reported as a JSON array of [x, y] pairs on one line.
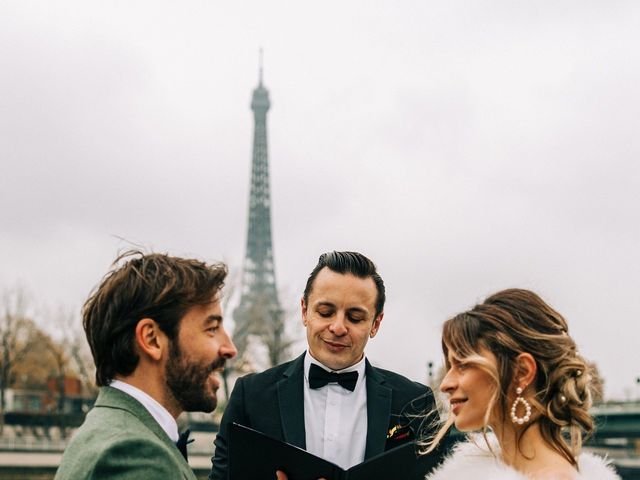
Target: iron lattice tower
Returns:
[[259, 317]]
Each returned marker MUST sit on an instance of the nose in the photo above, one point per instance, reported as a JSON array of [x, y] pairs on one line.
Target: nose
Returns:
[[227, 348], [338, 326], [448, 384]]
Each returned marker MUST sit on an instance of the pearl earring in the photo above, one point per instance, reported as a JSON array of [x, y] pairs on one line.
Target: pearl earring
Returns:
[[527, 407]]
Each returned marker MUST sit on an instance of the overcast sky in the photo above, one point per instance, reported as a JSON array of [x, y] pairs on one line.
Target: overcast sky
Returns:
[[465, 147]]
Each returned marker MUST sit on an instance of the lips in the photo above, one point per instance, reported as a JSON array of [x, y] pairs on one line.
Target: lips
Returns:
[[334, 346], [456, 404], [215, 377]]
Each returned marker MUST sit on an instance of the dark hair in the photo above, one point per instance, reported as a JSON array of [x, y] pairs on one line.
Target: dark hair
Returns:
[[514, 321], [348, 262], [153, 286]]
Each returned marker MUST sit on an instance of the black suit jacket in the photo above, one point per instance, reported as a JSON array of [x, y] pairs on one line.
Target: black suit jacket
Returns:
[[272, 402]]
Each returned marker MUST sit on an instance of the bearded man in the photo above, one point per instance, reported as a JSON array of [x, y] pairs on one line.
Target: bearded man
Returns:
[[155, 330]]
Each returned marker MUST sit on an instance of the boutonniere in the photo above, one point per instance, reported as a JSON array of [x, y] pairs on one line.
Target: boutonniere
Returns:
[[399, 432]]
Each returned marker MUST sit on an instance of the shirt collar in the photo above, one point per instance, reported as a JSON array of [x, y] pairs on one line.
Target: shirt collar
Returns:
[[356, 367], [157, 411]]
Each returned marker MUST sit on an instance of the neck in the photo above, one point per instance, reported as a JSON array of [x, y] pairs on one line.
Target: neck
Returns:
[[153, 386], [530, 453]]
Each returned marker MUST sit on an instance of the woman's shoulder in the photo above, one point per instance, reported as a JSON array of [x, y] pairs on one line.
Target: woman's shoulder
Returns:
[[474, 459]]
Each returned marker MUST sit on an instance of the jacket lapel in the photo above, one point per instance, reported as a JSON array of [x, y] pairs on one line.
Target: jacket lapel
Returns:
[[110, 397], [291, 402], [378, 411]]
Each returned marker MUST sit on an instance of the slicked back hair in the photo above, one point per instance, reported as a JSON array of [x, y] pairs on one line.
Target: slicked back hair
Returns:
[[139, 286], [353, 263]]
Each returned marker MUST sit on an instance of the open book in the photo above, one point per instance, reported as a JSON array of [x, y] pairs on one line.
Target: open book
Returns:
[[255, 456]]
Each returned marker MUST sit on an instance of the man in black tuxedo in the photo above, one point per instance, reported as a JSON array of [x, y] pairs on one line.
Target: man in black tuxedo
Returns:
[[331, 401]]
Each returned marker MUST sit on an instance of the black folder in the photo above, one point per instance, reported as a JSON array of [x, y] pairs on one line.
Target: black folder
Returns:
[[255, 456]]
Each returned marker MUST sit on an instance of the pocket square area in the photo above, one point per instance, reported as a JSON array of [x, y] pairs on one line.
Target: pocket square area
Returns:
[[399, 432]]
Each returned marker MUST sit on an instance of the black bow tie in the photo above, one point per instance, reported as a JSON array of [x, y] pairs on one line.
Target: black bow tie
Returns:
[[319, 377], [183, 441]]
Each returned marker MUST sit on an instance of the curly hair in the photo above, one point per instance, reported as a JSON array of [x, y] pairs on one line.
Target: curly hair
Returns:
[[515, 321]]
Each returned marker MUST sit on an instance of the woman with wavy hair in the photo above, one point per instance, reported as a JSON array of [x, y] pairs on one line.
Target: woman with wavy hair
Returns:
[[514, 374]]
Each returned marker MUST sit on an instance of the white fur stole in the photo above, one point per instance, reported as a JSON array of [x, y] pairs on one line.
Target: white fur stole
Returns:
[[474, 461]]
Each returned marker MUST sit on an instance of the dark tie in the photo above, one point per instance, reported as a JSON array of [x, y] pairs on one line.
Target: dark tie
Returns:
[[319, 377], [182, 443]]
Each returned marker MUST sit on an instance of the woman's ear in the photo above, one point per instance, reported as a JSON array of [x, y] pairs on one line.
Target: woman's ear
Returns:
[[525, 371]]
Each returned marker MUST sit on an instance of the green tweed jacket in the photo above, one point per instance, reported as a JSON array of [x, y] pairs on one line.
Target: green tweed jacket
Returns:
[[120, 439]]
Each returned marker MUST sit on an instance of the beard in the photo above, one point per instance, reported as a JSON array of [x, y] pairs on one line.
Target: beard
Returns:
[[187, 381]]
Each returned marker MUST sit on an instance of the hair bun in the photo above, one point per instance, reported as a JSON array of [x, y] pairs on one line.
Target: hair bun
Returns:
[[570, 394]]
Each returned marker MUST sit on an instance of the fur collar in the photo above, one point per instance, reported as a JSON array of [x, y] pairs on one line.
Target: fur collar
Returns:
[[473, 460]]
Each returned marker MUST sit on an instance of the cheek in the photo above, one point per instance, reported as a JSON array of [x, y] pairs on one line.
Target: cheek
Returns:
[[312, 333], [202, 348], [317, 325], [361, 338], [473, 384], [485, 389]]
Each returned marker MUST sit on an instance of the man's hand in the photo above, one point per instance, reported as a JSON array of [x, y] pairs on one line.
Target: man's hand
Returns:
[[280, 475]]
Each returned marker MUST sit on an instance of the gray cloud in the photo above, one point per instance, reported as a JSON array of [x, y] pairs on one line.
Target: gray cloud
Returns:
[[465, 148]]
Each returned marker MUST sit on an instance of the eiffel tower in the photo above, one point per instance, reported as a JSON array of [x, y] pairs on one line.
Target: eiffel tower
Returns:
[[259, 323]]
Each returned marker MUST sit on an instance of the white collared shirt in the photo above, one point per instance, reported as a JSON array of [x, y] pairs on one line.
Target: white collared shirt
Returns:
[[335, 419], [157, 411]]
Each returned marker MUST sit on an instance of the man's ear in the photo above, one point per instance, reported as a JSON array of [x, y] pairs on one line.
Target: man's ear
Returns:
[[525, 371], [376, 325], [150, 340], [303, 307]]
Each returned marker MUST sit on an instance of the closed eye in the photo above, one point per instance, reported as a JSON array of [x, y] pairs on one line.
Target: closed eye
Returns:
[[325, 311], [213, 324]]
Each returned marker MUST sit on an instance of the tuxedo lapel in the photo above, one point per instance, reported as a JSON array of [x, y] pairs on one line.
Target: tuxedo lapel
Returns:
[[291, 402], [378, 411]]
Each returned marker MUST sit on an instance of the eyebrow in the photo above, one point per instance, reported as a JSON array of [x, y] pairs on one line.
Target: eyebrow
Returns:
[[213, 319], [325, 304]]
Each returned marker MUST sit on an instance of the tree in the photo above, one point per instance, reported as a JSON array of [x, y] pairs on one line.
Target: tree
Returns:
[[18, 334], [276, 339], [67, 349], [34, 369], [264, 343]]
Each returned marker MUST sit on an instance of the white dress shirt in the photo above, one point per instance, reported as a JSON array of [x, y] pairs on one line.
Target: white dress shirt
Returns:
[[157, 411], [335, 419]]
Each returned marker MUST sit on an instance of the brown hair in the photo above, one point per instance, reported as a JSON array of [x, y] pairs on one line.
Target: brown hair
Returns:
[[153, 286], [515, 321]]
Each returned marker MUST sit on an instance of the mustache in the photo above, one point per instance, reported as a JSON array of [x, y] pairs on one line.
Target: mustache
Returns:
[[219, 363]]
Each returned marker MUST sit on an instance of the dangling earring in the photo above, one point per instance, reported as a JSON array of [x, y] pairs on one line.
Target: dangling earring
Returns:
[[527, 407]]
